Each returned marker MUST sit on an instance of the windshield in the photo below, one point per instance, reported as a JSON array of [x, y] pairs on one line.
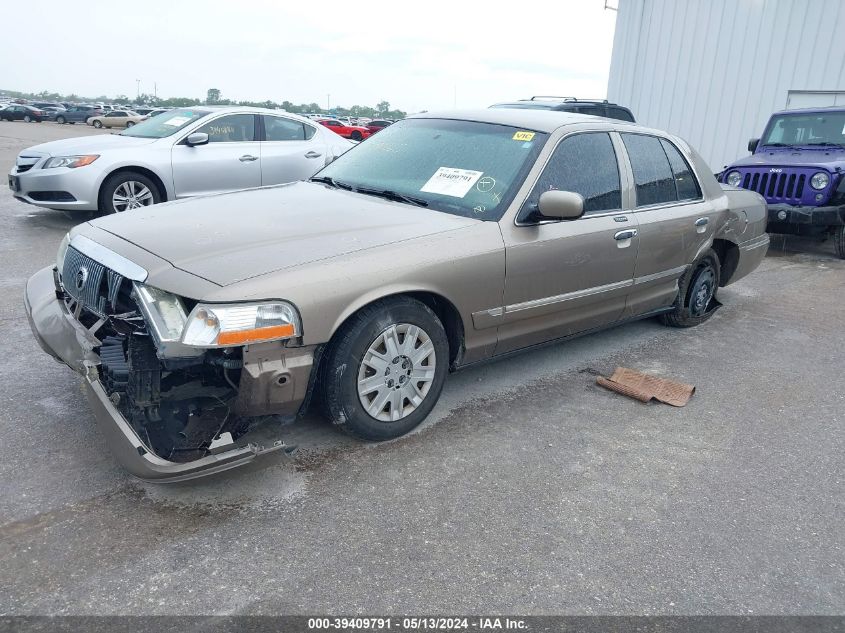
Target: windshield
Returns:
[[460, 167], [165, 124], [815, 128]]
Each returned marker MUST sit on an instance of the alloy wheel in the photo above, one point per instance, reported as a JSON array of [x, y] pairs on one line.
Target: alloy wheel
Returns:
[[131, 194], [396, 372]]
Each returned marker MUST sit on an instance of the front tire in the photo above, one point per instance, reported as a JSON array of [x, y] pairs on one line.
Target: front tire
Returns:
[[839, 241], [384, 369], [28, 119], [356, 135], [696, 293], [60, 120], [97, 124], [126, 191], [129, 124]]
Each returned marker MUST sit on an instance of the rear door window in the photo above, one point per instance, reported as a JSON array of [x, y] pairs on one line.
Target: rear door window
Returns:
[[653, 178], [685, 182], [278, 128]]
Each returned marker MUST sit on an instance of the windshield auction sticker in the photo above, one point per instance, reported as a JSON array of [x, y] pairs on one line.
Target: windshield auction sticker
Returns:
[[450, 181], [176, 121], [524, 136]]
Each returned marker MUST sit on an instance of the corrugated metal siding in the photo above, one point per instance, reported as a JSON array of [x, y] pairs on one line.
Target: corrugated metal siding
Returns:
[[712, 71]]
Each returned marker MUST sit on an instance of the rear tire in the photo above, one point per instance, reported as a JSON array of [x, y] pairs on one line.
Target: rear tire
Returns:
[[97, 124], [384, 369], [28, 119], [839, 241], [696, 292], [60, 120]]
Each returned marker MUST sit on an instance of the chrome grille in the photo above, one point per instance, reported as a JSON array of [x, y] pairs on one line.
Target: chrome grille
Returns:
[[82, 279]]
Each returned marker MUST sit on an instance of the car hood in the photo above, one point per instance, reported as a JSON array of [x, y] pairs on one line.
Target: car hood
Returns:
[[232, 237], [824, 159], [88, 145]]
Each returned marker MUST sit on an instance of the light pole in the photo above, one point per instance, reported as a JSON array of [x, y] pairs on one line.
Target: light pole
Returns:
[[137, 89], [328, 102]]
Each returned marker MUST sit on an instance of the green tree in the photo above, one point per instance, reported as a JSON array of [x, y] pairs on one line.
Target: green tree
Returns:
[[213, 96], [382, 107]]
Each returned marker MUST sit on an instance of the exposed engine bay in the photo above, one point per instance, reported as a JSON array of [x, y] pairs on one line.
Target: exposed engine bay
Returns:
[[178, 407], [184, 405]]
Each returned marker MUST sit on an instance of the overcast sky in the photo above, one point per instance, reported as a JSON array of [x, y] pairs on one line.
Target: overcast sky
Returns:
[[422, 55]]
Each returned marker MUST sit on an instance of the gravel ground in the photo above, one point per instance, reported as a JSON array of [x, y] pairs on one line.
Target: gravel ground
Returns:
[[530, 490]]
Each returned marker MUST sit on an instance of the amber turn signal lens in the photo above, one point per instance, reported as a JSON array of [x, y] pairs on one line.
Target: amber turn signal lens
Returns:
[[241, 337]]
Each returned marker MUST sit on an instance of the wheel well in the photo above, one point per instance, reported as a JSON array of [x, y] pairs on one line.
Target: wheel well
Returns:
[[445, 311], [728, 254], [449, 317], [139, 170]]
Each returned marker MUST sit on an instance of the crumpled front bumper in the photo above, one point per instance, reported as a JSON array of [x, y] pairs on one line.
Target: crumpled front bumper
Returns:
[[66, 340]]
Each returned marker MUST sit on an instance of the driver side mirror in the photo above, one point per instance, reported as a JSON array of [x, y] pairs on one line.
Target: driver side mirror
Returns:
[[197, 138], [752, 145], [557, 205]]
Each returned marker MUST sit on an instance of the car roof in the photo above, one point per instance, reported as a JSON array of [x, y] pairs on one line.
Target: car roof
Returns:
[[833, 108], [243, 110], [538, 120]]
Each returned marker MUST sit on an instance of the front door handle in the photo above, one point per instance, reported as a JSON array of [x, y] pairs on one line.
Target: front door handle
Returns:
[[627, 234], [313, 154], [247, 158], [702, 221]]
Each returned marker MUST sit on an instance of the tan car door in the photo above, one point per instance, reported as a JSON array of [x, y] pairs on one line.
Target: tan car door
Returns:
[[675, 221], [114, 119], [565, 277]]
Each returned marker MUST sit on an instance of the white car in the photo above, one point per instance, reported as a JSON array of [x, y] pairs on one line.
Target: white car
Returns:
[[181, 153]]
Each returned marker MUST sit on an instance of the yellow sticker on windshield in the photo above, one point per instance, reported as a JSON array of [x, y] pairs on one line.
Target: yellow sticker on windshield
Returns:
[[523, 136]]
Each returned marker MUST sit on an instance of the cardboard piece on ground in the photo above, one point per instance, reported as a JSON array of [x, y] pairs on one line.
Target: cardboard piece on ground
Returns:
[[643, 387]]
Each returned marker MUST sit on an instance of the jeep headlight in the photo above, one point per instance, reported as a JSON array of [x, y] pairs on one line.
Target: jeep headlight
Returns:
[[60, 255], [734, 178], [820, 180], [211, 325], [70, 161]]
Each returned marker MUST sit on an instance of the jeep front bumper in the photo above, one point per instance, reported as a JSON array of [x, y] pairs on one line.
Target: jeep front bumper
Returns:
[[784, 218]]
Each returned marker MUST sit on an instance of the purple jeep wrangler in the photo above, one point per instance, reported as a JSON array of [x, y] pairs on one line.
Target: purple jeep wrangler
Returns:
[[799, 167]]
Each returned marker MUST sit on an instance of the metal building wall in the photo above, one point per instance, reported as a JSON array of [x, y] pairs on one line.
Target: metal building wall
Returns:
[[712, 71]]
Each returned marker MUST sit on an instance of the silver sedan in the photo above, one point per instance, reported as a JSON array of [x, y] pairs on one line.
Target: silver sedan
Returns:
[[177, 154]]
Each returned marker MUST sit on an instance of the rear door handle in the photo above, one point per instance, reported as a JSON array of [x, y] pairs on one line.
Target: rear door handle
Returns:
[[313, 154], [702, 221], [247, 158], [627, 234]]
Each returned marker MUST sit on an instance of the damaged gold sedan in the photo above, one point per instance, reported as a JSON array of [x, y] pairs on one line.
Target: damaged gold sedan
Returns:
[[443, 241]]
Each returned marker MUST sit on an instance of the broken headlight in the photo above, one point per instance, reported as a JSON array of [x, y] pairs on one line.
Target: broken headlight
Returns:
[[240, 324], [164, 313]]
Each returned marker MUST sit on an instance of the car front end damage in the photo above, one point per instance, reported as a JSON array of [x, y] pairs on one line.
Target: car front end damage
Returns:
[[176, 386]]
